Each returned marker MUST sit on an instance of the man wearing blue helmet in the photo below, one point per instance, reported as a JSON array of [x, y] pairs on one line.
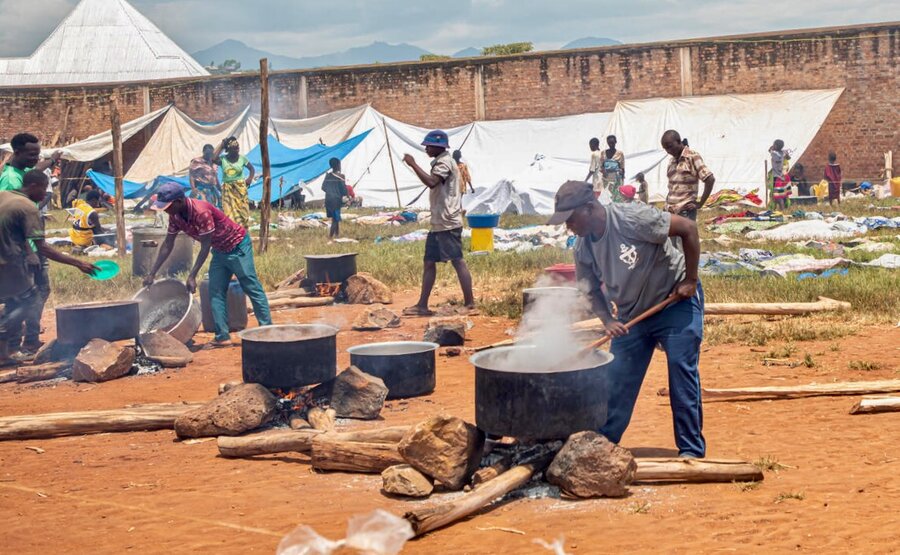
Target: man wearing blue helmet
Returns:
[[444, 242]]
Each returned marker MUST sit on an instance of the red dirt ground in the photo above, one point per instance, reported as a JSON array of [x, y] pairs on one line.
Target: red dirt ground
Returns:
[[147, 493]]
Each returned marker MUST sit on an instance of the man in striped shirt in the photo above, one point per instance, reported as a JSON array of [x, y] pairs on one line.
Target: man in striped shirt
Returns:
[[686, 170]]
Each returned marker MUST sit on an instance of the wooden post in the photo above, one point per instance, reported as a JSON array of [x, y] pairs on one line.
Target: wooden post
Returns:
[[118, 172], [265, 209], [391, 159]]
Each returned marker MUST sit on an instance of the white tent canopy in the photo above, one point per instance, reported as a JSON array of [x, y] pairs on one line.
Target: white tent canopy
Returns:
[[731, 132]]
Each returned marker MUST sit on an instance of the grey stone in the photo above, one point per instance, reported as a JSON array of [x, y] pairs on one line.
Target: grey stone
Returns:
[[101, 361], [238, 410], [356, 394], [589, 465], [444, 447], [446, 332], [378, 317], [405, 480]]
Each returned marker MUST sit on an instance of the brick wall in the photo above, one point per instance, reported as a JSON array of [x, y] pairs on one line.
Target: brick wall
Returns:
[[863, 59]]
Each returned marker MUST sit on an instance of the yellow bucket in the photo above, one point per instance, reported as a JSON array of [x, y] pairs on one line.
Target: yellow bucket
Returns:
[[482, 239], [895, 187]]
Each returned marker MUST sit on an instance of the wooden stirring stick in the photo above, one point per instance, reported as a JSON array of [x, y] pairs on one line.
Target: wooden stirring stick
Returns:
[[585, 351]]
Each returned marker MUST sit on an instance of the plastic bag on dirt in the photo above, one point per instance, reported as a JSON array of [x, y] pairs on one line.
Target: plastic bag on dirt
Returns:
[[558, 547], [377, 533]]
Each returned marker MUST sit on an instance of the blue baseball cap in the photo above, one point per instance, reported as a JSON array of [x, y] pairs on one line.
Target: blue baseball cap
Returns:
[[166, 194], [437, 138]]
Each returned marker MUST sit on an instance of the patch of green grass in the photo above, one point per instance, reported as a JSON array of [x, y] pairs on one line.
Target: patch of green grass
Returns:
[[864, 365], [788, 495], [835, 347], [808, 361], [785, 351]]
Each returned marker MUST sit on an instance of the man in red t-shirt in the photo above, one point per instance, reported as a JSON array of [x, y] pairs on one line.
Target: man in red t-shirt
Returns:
[[232, 255]]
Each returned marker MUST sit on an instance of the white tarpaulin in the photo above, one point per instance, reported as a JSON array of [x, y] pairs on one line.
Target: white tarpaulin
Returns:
[[732, 133], [330, 129], [179, 139], [99, 145]]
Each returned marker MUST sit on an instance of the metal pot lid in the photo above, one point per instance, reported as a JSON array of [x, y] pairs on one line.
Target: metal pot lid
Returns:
[[288, 333], [393, 348]]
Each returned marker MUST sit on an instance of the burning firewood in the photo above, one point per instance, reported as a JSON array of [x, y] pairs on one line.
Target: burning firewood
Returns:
[[327, 289]]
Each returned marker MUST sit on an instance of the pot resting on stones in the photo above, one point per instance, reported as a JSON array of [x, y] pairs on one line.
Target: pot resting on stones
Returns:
[[77, 324], [515, 396], [289, 356], [407, 367], [330, 268]]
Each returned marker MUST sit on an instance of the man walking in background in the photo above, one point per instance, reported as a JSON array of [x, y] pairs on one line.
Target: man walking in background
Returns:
[[444, 241], [685, 172]]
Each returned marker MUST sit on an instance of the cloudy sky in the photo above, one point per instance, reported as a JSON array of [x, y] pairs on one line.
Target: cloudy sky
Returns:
[[311, 27]]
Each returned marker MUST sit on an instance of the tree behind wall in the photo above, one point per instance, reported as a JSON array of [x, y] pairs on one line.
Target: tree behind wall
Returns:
[[507, 49]]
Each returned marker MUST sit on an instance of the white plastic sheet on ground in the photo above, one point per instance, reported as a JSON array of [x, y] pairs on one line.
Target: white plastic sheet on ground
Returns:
[[810, 229], [732, 132], [376, 533]]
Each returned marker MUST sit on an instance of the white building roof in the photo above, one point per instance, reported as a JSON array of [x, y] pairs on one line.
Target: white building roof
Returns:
[[101, 41]]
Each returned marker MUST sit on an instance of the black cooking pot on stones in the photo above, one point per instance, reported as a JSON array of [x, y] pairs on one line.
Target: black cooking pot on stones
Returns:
[[330, 268], [290, 355], [76, 324], [515, 398], [407, 367]]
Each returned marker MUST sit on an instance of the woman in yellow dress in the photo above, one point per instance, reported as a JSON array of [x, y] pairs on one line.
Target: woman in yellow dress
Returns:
[[235, 202]]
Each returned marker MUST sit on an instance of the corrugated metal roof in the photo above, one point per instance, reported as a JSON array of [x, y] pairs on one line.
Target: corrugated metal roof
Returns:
[[101, 41]]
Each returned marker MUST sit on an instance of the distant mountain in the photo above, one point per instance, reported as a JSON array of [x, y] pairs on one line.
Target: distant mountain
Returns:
[[589, 42], [377, 52], [467, 53]]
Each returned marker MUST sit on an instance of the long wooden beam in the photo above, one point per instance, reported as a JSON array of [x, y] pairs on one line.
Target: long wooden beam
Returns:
[[798, 391]]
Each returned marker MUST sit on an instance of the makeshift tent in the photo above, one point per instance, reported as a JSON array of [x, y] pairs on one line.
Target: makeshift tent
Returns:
[[107, 183], [733, 133]]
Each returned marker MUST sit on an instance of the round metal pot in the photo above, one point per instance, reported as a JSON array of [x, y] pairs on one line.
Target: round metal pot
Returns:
[[330, 268], [236, 305], [145, 248], [516, 400], [76, 324], [407, 367], [167, 305], [290, 355]]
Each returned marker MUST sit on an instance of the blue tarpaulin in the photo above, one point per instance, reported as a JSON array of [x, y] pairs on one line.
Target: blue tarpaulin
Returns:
[[293, 165]]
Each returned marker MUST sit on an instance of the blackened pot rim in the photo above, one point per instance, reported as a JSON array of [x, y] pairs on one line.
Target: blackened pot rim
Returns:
[[420, 347], [598, 359], [96, 304], [324, 329]]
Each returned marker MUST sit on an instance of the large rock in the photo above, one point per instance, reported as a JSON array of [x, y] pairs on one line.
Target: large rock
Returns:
[[405, 480], [356, 394], [362, 288], [238, 410], [378, 317], [101, 361], [446, 332], [444, 447], [164, 349], [589, 465]]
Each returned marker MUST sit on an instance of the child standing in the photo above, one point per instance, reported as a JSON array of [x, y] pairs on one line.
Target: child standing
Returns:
[[834, 177]]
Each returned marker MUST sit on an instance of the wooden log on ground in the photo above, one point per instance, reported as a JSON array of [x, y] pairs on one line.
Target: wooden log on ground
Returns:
[[136, 419], [297, 422], [287, 294], [267, 443], [285, 441], [875, 405], [292, 280], [298, 302], [488, 473], [42, 372], [696, 471], [351, 456], [431, 518], [798, 391], [321, 419], [824, 304], [8, 376]]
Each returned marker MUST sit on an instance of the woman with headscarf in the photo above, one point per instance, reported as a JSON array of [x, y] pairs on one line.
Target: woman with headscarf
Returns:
[[235, 202]]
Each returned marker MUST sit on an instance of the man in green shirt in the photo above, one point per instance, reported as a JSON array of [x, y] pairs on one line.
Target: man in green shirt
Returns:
[[26, 156]]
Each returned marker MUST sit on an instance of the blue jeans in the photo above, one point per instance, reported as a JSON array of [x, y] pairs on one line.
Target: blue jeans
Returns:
[[238, 263], [679, 329]]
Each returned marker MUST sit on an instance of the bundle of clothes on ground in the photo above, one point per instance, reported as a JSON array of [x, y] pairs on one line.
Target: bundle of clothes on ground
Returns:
[[775, 226]]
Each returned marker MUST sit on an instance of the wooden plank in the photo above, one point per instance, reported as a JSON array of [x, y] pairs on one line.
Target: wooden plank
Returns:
[[118, 173], [798, 391], [351, 456], [696, 470], [265, 208], [875, 405]]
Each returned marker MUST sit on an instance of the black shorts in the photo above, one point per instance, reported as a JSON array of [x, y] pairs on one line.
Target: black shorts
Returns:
[[443, 246]]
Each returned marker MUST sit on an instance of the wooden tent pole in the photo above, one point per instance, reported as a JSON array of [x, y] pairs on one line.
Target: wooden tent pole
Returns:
[[391, 159], [265, 208], [118, 172]]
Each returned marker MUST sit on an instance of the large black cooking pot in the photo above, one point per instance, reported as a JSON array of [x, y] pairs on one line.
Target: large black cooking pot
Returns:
[[407, 367], [514, 398], [330, 268], [289, 356], [76, 324]]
